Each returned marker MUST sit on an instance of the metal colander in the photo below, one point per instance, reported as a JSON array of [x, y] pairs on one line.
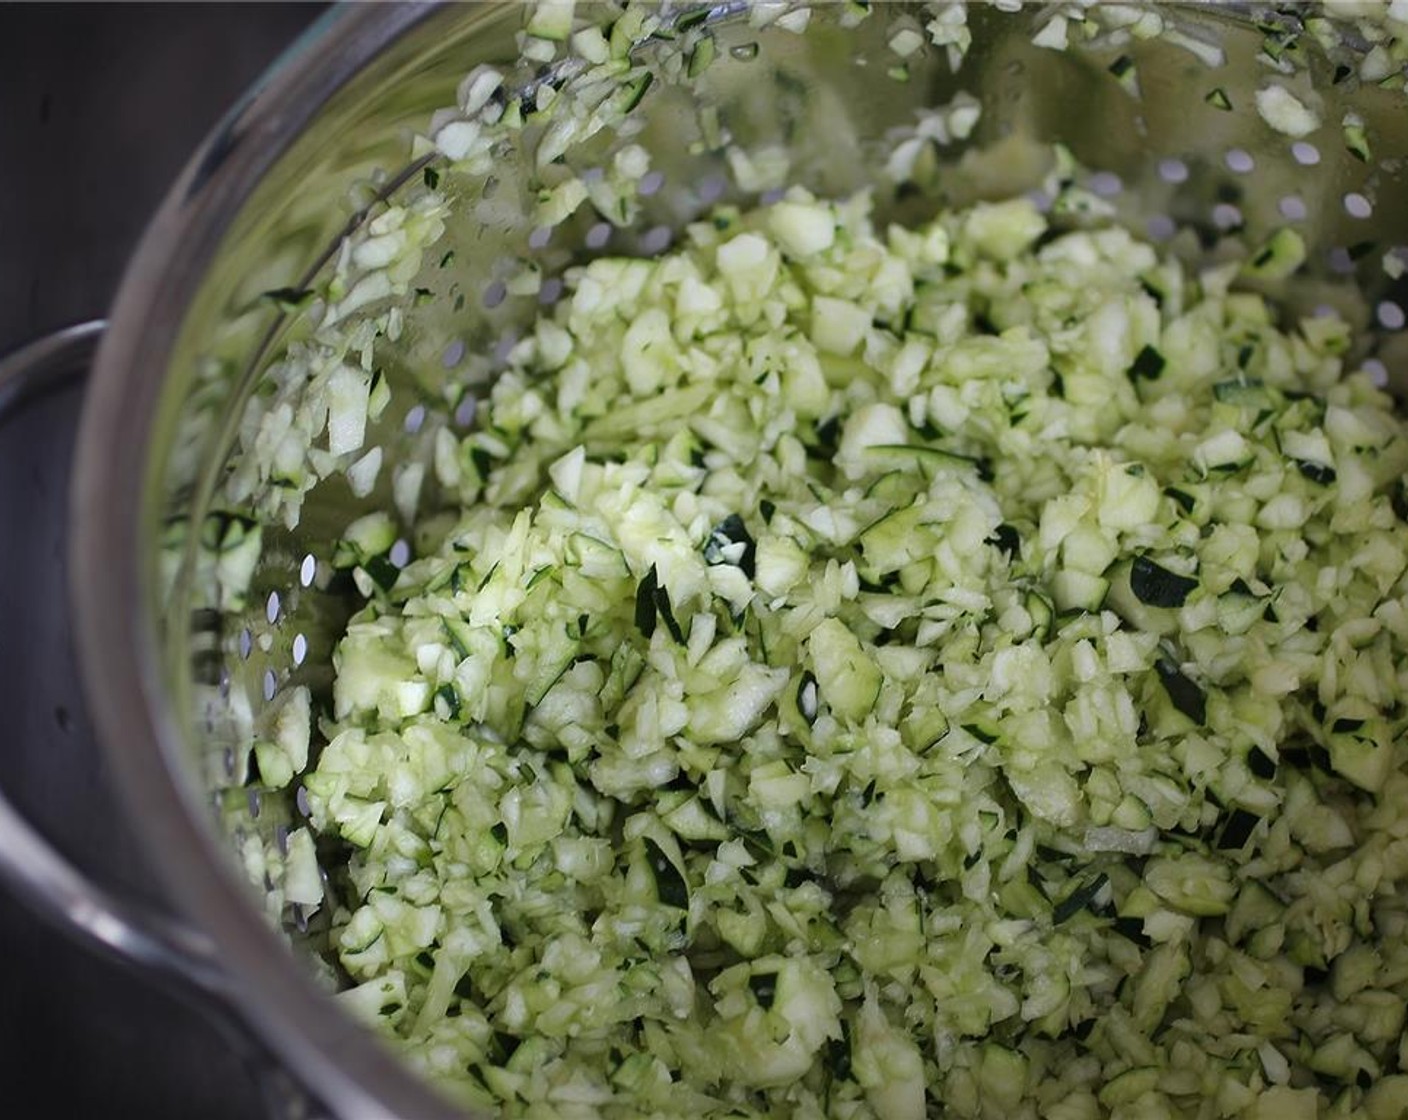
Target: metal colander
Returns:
[[1162, 127]]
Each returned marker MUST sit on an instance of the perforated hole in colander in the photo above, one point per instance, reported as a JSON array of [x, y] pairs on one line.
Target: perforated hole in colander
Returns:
[[453, 353], [1240, 161], [494, 294], [1357, 206], [1173, 170]]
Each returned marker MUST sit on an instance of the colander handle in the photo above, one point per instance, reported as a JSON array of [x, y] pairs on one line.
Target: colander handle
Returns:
[[54, 888], [30, 866]]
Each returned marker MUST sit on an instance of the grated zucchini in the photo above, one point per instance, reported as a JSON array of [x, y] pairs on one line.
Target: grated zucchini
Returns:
[[921, 674]]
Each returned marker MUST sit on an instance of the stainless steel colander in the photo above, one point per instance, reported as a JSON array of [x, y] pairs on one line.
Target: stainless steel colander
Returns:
[[186, 669]]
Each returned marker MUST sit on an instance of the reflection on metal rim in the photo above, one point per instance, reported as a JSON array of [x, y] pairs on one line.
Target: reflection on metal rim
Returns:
[[112, 513]]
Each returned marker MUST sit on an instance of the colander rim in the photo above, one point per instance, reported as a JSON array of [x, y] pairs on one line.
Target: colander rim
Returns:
[[114, 606]]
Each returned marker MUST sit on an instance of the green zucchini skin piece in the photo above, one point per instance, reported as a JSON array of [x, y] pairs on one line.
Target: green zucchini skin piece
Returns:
[[1157, 586]]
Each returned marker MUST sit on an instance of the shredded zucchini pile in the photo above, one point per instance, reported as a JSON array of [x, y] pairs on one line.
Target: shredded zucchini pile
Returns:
[[889, 673]]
